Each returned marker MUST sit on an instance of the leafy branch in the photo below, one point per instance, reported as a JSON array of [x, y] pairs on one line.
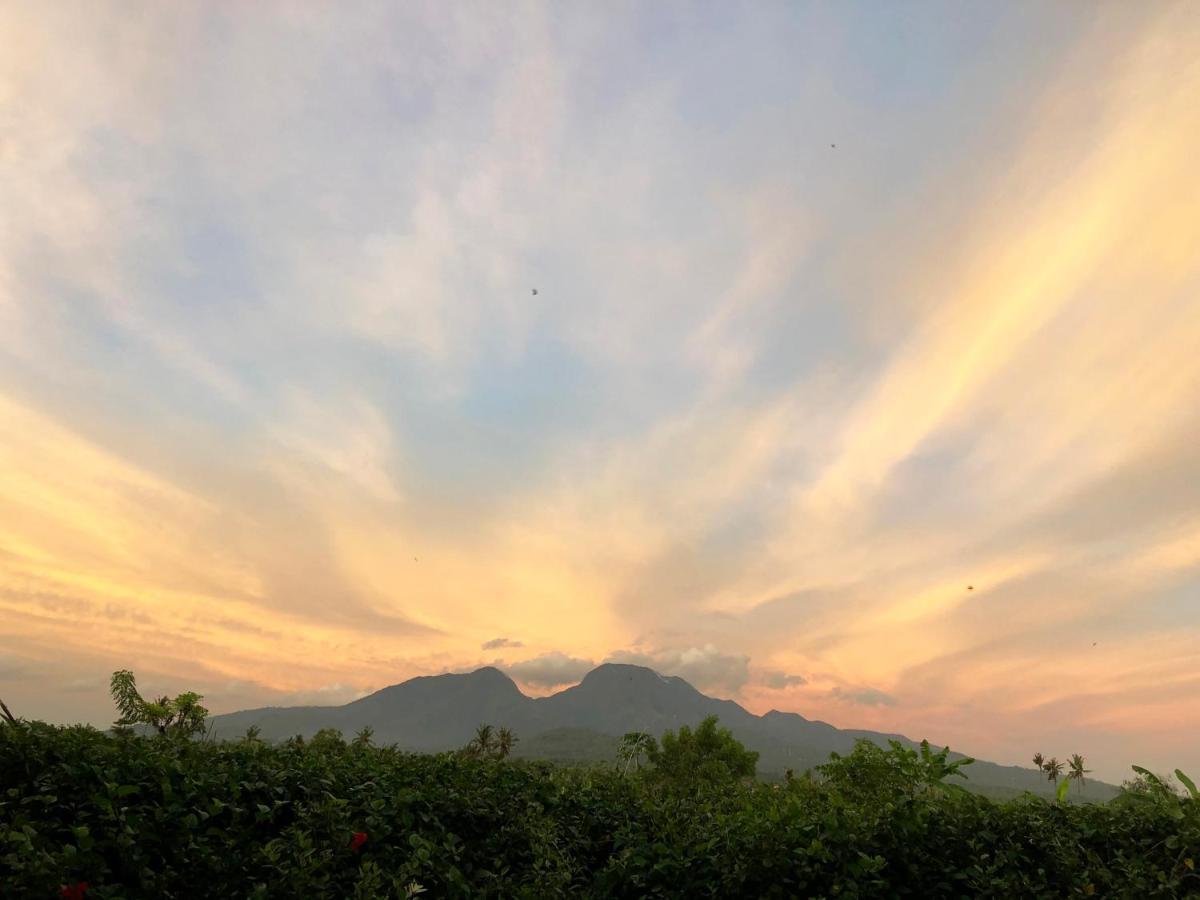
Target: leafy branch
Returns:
[[181, 717]]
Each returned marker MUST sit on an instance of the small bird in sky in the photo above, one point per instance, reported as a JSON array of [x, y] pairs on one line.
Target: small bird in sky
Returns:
[[535, 292], [834, 146], [970, 587]]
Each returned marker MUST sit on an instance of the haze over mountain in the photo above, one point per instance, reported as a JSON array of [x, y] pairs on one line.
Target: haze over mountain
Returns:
[[582, 723]]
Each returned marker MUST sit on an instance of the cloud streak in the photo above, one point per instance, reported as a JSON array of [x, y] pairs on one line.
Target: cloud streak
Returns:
[[278, 406]]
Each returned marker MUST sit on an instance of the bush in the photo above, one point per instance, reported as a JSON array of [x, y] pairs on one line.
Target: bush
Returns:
[[708, 757], [872, 772], [140, 816]]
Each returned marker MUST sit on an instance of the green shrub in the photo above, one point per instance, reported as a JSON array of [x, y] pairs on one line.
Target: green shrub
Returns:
[[873, 772], [157, 817], [708, 757]]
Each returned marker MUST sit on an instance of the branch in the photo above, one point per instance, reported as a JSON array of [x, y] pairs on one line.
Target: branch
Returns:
[[8, 716]]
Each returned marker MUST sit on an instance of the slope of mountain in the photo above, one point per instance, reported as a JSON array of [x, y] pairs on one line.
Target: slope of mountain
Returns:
[[568, 746], [584, 722]]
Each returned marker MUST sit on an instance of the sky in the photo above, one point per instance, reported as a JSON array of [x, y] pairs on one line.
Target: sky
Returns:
[[840, 358]]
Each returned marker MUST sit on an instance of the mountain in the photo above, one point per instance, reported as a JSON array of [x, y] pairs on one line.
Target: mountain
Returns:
[[583, 723]]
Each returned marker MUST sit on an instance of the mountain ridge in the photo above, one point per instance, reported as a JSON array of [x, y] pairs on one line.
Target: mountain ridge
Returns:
[[431, 713]]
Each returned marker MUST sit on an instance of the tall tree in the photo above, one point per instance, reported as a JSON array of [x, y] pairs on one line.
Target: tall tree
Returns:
[[505, 740], [1077, 770], [708, 756], [485, 739], [1053, 769]]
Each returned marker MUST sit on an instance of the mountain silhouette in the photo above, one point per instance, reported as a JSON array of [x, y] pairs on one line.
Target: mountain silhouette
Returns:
[[583, 723]]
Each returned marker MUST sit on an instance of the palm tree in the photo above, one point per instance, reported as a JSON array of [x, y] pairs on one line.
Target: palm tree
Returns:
[[1038, 760], [1077, 770], [1053, 769], [504, 742], [484, 740]]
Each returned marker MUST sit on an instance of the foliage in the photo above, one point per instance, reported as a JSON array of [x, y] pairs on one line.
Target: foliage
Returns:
[[1053, 769], [635, 746], [181, 717], [505, 740], [898, 771], [1077, 770], [138, 817], [490, 743], [707, 757], [7, 717], [1150, 790]]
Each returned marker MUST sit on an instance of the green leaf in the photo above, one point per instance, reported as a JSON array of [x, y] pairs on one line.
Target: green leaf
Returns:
[[1061, 793], [1150, 776], [1189, 784]]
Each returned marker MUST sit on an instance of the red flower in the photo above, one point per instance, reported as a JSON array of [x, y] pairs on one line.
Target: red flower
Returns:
[[357, 839], [75, 891]]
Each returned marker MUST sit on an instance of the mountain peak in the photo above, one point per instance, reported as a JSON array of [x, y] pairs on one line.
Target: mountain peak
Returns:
[[609, 673], [489, 674], [441, 712]]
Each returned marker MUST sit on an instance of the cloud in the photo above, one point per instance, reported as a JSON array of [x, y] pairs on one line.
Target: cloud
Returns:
[[497, 643], [705, 668], [863, 696], [777, 680], [275, 392], [549, 670]]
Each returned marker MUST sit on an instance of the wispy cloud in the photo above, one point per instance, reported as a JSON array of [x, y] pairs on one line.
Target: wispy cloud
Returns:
[[279, 405]]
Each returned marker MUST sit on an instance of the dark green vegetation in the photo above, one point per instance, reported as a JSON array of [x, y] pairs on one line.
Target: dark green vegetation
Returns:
[[163, 816], [181, 717], [585, 723]]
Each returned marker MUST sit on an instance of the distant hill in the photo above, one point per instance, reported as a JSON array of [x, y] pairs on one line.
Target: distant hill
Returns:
[[583, 723]]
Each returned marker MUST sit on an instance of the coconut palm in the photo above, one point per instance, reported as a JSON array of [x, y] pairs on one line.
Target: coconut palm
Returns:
[[1077, 770], [504, 742], [484, 740], [1053, 769], [1038, 760]]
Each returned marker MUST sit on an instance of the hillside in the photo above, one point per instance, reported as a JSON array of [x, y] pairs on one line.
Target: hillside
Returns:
[[582, 723]]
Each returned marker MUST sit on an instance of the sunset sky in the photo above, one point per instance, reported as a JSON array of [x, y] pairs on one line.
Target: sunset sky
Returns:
[[840, 309]]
